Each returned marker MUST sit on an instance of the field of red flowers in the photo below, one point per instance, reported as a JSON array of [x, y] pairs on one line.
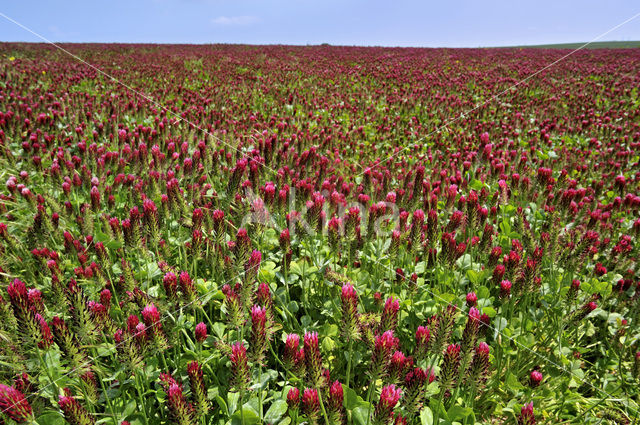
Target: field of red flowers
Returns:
[[322, 235]]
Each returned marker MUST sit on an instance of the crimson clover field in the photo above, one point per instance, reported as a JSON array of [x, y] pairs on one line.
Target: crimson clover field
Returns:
[[223, 234]]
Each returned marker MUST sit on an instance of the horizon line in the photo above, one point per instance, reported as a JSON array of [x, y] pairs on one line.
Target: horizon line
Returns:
[[326, 44]]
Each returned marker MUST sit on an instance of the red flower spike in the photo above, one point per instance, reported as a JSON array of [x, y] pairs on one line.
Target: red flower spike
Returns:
[[313, 359], [389, 319], [293, 399], [449, 367], [291, 346], [239, 367], [258, 332], [311, 404], [73, 411], [526, 415], [201, 332], [198, 389], [423, 338], [535, 378], [349, 300], [14, 404], [389, 397], [336, 397]]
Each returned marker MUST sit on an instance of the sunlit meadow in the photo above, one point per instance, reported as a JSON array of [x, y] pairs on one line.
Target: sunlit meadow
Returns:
[[217, 235]]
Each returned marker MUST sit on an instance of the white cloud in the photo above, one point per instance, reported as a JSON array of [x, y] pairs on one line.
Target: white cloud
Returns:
[[235, 20]]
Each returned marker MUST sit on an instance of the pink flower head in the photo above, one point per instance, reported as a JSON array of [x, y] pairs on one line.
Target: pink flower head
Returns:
[[258, 332], [600, 270], [151, 317], [170, 283], [450, 364], [349, 294], [180, 408], [474, 314], [312, 357], [186, 286], [386, 341], [45, 332], [526, 415], [423, 337], [311, 403], [258, 315], [291, 346], [105, 298], [535, 378], [239, 366], [389, 397], [201, 332], [18, 294], [472, 299], [73, 411], [505, 288], [132, 322], [389, 319], [336, 397], [14, 404], [293, 398]]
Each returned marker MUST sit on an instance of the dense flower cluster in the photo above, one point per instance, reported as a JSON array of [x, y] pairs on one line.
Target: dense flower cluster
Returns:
[[318, 235]]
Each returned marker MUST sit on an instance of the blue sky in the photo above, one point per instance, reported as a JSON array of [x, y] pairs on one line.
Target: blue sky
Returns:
[[383, 23]]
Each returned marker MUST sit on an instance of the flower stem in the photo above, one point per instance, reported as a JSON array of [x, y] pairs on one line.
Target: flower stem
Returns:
[[141, 397], [436, 421], [349, 361], [260, 393], [46, 369], [369, 393], [324, 412], [241, 408]]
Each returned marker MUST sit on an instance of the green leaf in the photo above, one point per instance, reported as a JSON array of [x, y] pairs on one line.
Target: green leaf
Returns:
[[113, 245], [222, 404], [505, 226], [464, 262], [352, 399], [218, 329], [513, 383], [247, 413], [437, 406], [426, 416], [107, 420], [305, 321], [476, 185], [359, 415], [101, 237], [541, 155], [148, 271], [264, 379], [267, 271], [232, 401], [50, 418], [130, 408], [328, 344], [293, 307], [473, 276], [489, 311], [457, 412], [483, 292], [275, 412], [330, 330], [105, 349], [137, 419]]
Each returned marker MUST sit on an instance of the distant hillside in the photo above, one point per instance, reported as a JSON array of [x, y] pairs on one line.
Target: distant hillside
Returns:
[[595, 45]]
